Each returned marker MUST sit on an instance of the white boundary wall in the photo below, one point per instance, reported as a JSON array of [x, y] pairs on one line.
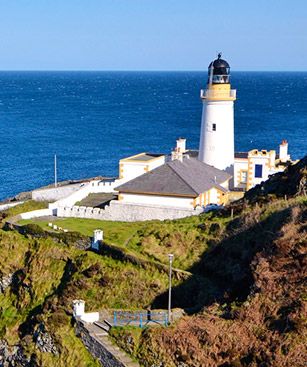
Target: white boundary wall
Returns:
[[90, 317], [36, 214], [10, 205], [118, 211], [92, 187], [55, 193], [73, 198]]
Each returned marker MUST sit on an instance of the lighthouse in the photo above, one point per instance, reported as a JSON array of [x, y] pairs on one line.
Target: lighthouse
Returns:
[[216, 146]]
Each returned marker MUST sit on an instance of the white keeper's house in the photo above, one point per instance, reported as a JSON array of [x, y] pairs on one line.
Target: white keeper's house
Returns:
[[183, 182]]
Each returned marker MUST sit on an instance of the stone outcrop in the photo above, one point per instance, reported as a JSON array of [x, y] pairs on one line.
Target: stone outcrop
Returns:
[[44, 340], [5, 281], [13, 356]]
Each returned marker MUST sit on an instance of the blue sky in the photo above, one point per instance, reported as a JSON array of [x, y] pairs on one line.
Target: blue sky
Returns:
[[152, 34]]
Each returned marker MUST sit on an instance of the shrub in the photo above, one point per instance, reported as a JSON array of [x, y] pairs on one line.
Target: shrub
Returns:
[[34, 230]]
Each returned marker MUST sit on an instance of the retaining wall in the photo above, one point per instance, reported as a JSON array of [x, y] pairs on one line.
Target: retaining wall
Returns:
[[125, 212], [97, 349]]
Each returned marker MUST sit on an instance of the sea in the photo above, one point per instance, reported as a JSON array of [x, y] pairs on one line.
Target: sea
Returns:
[[92, 119]]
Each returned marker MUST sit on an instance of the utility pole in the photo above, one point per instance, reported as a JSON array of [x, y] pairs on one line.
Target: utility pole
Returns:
[[55, 172], [170, 257]]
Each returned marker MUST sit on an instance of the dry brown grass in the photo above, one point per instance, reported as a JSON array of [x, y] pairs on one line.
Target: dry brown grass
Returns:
[[268, 328]]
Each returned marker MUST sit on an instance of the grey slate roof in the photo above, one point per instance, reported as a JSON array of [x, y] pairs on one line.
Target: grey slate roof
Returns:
[[190, 177]]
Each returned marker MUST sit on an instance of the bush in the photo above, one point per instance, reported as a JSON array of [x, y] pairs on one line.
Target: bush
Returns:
[[215, 228], [34, 230]]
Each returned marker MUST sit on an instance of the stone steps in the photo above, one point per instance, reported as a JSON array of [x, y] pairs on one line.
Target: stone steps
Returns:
[[103, 325]]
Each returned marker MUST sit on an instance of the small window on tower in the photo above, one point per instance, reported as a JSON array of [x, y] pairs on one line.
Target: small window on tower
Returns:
[[213, 127]]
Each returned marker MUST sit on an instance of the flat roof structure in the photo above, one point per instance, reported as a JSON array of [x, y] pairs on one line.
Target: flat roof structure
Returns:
[[142, 157]]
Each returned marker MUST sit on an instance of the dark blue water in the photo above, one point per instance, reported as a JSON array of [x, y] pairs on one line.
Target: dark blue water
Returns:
[[91, 120]]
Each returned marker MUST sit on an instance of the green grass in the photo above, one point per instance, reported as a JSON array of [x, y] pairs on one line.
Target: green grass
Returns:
[[127, 338], [152, 240], [114, 232], [52, 276]]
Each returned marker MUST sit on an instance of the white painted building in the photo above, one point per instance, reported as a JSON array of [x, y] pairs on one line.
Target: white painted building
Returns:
[[139, 164], [216, 146], [182, 182], [160, 186], [255, 166]]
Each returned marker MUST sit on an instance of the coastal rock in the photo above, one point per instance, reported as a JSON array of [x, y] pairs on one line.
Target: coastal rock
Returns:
[[13, 356], [44, 341], [5, 281]]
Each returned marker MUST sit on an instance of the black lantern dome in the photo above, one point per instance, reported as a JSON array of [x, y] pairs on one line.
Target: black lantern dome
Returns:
[[219, 71]]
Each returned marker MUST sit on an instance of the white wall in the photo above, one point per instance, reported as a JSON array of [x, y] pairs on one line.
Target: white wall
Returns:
[[171, 201], [132, 169], [156, 162], [265, 170], [238, 166], [36, 214], [213, 196], [90, 317], [216, 148], [95, 186], [125, 212], [54, 193], [10, 205], [70, 200]]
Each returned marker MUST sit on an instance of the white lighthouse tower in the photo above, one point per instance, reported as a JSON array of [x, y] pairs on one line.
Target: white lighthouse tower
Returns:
[[216, 146]]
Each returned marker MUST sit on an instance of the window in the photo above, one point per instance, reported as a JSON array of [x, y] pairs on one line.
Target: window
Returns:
[[258, 170], [213, 127], [243, 176]]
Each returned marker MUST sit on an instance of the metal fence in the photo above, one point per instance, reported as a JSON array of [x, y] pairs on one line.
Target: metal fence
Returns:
[[139, 318]]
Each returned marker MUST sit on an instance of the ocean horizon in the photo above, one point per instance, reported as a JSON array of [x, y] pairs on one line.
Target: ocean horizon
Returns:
[[91, 119]]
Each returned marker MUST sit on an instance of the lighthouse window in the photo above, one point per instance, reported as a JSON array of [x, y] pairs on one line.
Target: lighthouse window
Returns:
[[213, 127], [258, 170]]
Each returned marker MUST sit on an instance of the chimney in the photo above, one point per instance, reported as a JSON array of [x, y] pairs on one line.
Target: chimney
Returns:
[[181, 145], [283, 151], [180, 149], [177, 155]]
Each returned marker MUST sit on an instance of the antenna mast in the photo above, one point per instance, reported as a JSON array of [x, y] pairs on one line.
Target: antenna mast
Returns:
[[55, 172]]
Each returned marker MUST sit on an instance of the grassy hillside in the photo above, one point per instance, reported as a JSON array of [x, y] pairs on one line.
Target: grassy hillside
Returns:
[[245, 296], [46, 277], [254, 305], [153, 240], [255, 312]]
